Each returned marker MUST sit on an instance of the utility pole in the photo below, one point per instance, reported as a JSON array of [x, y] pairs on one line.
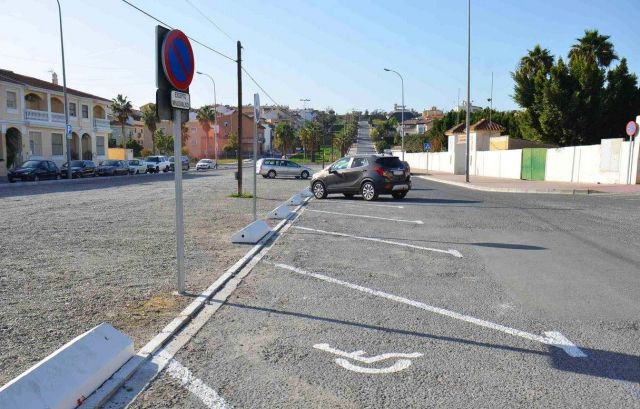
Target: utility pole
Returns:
[[215, 118], [468, 90], [491, 99], [67, 131], [239, 150]]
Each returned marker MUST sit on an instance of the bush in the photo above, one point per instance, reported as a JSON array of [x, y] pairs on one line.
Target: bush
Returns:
[[145, 152]]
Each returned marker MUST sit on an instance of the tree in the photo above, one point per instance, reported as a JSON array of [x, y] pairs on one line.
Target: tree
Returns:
[[310, 136], [184, 134], [164, 143], [621, 99], [594, 47], [285, 136], [207, 117], [150, 119], [135, 147], [232, 145], [121, 109], [146, 152]]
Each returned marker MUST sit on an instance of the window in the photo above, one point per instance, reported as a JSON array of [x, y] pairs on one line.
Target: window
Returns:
[[389, 162], [73, 109], [85, 111], [12, 100], [56, 144], [35, 143], [100, 145], [359, 162], [341, 164], [52, 166]]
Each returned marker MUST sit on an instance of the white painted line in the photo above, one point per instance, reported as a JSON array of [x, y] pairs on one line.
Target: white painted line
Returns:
[[194, 385], [454, 253], [398, 366], [368, 217], [358, 355], [556, 339]]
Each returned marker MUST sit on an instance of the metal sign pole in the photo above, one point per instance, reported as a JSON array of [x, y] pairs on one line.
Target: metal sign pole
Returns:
[[256, 118], [177, 165]]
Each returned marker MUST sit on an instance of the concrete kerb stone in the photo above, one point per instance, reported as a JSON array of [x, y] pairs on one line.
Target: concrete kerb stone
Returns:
[[117, 380], [512, 190]]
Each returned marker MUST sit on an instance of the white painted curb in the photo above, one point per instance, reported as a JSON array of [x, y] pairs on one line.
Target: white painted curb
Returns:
[[306, 192], [280, 212], [65, 378], [295, 200], [252, 233]]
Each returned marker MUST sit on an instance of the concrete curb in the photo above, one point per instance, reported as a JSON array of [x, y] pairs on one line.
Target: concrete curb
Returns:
[[512, 190], [117, 380]]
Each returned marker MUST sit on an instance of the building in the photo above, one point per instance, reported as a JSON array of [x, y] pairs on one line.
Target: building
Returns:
[[202, 144], [398, 115], [463, 107], [417, 126], [432, 113], [133, 129], [480, 135], [32, 121]]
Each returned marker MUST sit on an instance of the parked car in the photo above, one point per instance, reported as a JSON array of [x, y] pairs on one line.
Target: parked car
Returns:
[[137, 166], [272, 168], [113, 168], [185, 163], [366, 175], [204, 164], [157, 163], [79, 169], [34, 170]]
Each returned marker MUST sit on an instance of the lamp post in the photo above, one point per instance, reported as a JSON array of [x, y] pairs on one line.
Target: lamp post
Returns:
[[64, 92], [215, 116], [468, 119], [402, 112]]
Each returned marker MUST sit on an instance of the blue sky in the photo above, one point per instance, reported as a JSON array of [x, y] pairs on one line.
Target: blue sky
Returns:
[[332, 52]]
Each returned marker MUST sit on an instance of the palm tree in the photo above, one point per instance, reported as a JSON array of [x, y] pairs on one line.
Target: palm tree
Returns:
[[150, 119], [206, 116], [595, 47], [121, 109], [285, 136], [538, 59]]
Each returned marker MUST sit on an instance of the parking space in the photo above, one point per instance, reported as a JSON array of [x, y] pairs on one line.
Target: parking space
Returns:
[[448, 298]]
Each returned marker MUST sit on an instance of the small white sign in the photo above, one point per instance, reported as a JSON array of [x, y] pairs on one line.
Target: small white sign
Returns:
[[256, 107], [216, 128], [180, 100]]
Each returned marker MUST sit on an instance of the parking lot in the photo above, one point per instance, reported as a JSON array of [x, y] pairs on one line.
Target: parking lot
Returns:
[[76, 253], [448, 298]]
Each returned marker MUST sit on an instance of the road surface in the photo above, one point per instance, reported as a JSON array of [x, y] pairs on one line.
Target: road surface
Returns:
[[363, 144]]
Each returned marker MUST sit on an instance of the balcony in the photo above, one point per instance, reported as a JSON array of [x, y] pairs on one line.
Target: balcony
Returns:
[[101, 124], [56, 117], [33, 115]]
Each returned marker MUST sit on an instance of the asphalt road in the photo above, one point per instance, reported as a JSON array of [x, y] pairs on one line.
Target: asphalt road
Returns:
[[364, 144], [308, 326]]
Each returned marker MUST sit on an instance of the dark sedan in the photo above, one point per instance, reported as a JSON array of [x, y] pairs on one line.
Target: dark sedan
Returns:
[[113, 168], [34, 170], [79, 169], [185, 163], [368, 176]]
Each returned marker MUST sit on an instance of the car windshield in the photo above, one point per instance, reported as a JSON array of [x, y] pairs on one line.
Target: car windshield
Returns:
[[110, 163], [171, 159], [153, 159], [31, 164], [389, 162], [76, 163]]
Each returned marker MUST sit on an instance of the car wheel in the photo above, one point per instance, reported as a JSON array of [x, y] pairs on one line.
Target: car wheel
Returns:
[[399, 195], [166, 169], [264, 176], [271, 174], [157, 169], [348, 195], [137, 171], [368, 191], [319, 191], [304, 174]]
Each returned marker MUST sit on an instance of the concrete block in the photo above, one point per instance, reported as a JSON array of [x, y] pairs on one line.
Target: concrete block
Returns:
[[64, 379], [306, 192], [252, 233], [281, 212], [295, 200]]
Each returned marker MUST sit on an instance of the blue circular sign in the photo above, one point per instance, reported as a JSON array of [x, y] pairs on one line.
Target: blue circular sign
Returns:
[[632, 128], [177, 60]]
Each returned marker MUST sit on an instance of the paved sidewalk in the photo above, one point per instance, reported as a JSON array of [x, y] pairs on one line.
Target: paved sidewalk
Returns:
[[491, 184]]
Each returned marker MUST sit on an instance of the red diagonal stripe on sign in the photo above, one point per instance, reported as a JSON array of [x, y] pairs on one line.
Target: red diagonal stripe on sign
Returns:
[[184, 68]]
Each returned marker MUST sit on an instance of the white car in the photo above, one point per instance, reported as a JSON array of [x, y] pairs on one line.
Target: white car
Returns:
[[137, 166], [157, 163], [204, 164]]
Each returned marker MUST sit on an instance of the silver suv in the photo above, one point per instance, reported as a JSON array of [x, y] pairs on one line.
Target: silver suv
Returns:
[[272, 168]]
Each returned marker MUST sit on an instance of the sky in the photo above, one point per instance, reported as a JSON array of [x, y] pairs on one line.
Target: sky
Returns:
[[329, 51]]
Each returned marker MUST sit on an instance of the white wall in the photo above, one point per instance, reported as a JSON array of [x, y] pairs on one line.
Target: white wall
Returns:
[[434, 161], [499, 164]]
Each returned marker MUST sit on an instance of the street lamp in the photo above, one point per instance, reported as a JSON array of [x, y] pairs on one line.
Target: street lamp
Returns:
[[402, 112], [64, 92], [215, 116], [468, 120]]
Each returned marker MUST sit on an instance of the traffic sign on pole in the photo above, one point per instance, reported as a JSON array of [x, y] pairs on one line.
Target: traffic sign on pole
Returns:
[[177, 60], [632, 129]]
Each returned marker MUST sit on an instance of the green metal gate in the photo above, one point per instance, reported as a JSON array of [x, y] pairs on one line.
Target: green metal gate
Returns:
[[534, 161]]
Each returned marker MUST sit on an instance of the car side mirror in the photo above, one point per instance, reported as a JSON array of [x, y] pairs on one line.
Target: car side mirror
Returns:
[[332, 170]]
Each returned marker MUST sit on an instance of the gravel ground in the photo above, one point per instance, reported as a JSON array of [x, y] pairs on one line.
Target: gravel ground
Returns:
[[78, 254]]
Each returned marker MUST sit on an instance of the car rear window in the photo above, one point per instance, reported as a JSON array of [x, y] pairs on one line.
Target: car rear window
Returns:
[[389, 162]]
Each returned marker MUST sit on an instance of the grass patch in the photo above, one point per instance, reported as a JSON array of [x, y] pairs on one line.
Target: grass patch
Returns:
[[243, 195], [324, 151]]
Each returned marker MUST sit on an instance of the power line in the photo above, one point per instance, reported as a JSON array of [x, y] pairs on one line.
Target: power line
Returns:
[[209, 20], [167, 25]]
